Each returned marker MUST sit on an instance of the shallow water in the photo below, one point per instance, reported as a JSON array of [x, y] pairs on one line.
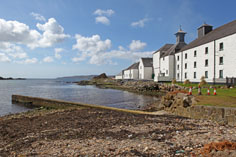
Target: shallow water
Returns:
[[67, 91]]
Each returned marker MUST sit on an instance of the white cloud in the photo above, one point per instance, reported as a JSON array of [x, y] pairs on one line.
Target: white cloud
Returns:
[[57, 52], [107, 12], [38, 16], [102, 16], [19, 33], [91, 44], [102, 19], [97, 51], [4, 58], [48, 59], [137, 45], [52, 33], [16, 32], [140, 23], [28, 61]]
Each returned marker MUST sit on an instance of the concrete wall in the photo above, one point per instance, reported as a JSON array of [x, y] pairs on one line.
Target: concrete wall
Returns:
[[134, 74], [148, 73]]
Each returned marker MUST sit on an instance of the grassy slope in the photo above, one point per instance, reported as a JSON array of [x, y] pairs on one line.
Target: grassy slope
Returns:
[[225, 97]]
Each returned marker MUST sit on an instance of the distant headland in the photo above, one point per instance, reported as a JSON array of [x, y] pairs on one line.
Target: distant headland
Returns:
[[10, 78]]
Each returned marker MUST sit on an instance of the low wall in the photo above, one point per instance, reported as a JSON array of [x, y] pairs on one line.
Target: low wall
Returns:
[[51, 103], [184, 105], [221, 115]]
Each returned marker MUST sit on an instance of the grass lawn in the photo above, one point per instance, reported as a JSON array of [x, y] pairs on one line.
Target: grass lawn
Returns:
[[224, 97]]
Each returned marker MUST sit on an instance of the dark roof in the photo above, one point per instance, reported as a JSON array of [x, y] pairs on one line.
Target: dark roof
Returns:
[[147, 62], [133, 66], [174, 49], [220, 32], [164, 48], [205, 25]]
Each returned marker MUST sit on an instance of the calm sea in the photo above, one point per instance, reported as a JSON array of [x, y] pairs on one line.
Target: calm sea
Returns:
[[59, 89]]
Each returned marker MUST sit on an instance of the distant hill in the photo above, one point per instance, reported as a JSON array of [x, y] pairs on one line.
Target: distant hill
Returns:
[[10, 78], [76, 78]]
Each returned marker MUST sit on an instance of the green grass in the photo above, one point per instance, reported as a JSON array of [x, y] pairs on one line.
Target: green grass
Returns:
[[225, 97]]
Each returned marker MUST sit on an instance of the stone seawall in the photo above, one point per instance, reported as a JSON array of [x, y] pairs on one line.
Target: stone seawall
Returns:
[[183, 105], [221, 115]]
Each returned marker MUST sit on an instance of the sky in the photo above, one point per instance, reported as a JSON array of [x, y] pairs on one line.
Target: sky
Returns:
[[55, 38]]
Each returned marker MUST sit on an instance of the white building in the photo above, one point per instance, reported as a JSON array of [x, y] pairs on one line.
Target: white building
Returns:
[[132, 72], [119, 76], [164, 59], [146, 68], [212, 55]]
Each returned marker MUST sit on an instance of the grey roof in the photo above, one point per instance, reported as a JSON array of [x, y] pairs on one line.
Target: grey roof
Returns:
[[174, 49], [147, 62], [133, 66], [204, 25], [164, 48], [220, 32]]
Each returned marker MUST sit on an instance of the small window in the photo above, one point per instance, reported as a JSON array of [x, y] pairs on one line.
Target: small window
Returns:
[[185, 66], [221, 60], [221, 47], [194, 75], [185, 75], [166, 72], [177, 58], [206, 63], [163, 58], [195, 53], [186, 55], [177, 75], [195, 65], [221, 73], [206, 50], [178, 67], [206, 74]]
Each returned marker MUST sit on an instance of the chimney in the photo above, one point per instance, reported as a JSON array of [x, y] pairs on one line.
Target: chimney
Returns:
[[204, 29], [180, 35]]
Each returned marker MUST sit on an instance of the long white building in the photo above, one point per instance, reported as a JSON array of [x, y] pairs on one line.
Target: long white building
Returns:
[[212, 55]]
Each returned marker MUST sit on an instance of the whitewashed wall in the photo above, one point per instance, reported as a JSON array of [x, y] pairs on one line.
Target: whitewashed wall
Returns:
[[127, 74], [134, 74], [229, 60], [156, 65]]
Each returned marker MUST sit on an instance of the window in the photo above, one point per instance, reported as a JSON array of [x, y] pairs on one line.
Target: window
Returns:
[[206, 63], [221, 60], [166, 72], [195, 53], [186, 55], [195, 64], [177, 75], [221, 46], [206, 50], [163, 58], [178, 67], [206, 74], [185, 75], [177, 58], [185, 66], [221, 73], [194, 75]]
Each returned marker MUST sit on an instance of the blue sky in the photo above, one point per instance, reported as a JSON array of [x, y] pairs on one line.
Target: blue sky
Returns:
[[53, 38]]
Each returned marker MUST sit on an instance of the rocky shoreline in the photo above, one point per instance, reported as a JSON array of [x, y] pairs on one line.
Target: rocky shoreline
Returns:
[[97, 132]]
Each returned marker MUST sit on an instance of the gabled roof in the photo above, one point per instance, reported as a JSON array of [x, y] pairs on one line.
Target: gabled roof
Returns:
[[174, 49], [133, 66], [220, 32], [147, 62], [164, 48]]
